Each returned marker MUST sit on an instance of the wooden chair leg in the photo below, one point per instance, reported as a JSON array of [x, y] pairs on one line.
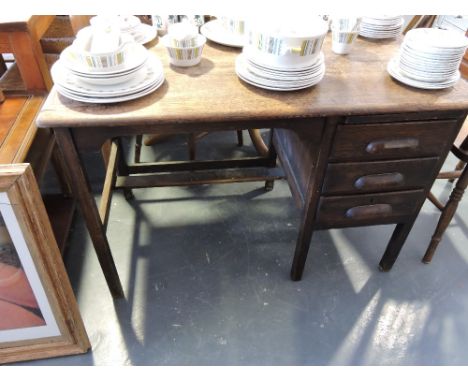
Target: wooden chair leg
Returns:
[[3, 67], [123, 168], [435, 201], [138, 144], [447, 215], [192, 139], [240, 138], [258, 142], [458, 167]]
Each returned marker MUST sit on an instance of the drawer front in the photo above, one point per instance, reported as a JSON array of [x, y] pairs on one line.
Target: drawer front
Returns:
[[368, 209], [392, 140], [379, 176]]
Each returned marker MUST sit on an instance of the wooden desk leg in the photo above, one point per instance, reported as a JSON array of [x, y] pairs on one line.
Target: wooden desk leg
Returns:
[[88, 207], [303, 242], [397, 240], [447, 215]]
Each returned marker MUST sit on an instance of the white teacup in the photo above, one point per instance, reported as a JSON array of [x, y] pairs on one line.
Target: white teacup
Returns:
[[183, 35], [345, 24], [184, 56], [344, 33], [342, 42]]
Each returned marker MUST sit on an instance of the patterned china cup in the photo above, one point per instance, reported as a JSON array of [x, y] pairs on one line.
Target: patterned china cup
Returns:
[[100, 49], [184, 56], [344, 33], [183, 35]]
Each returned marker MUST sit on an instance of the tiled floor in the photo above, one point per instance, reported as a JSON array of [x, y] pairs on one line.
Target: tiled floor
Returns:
[[206, 276]]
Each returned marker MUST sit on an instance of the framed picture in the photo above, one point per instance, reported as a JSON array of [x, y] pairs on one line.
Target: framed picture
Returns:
[[39, 316]]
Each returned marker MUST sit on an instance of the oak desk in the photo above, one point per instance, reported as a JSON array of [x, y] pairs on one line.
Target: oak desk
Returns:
[[358, 120]]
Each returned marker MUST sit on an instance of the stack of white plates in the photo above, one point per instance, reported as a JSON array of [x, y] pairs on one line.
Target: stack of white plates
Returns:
[[429, 58], [381, 27], [279, 78], [140, 75]]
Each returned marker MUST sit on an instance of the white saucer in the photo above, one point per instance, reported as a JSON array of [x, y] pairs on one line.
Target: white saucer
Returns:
[[144, 33], [214, 31], [129, 97]]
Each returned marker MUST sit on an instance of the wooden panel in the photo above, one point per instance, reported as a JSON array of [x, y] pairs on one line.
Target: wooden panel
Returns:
[[20, 136], [9, 111], [391, 140], [298, 151], [382, 176], [187, 178], [368, 209], [403, 117]]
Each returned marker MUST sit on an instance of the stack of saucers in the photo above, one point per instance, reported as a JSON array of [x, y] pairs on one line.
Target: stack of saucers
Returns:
[[429, 58], [381, 27], [94, 72], [132, 25], [285, 57], [279, 78]]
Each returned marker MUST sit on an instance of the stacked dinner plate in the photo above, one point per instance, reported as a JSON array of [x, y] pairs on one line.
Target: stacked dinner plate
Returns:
[[429, 58], [140, 74], [279, 78], [381, 27]]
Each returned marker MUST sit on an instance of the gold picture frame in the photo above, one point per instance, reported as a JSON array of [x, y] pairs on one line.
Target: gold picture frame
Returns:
[[39, 316]]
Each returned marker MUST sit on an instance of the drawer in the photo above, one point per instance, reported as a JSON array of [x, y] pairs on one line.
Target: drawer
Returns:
[[368, 209], [379, 176], [392, 140]]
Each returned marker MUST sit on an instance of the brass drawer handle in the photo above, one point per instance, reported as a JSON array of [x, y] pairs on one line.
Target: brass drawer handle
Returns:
[[369, 211], [383, 145], [379, 180]]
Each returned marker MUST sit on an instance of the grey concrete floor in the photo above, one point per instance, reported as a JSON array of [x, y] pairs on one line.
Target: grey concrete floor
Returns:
[[206, 276]]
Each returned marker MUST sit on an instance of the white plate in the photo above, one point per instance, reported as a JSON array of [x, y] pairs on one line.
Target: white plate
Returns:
[[147, 75], [107, 95], [280, 76], [140, 94], [262, 86], [394, 70], [436, 38], [214, 31], [286, 73]]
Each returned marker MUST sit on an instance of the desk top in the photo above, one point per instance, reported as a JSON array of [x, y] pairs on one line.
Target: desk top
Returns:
[[357, 83]]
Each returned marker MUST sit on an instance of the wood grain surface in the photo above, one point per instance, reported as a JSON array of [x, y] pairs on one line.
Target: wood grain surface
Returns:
[[354, 84]]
